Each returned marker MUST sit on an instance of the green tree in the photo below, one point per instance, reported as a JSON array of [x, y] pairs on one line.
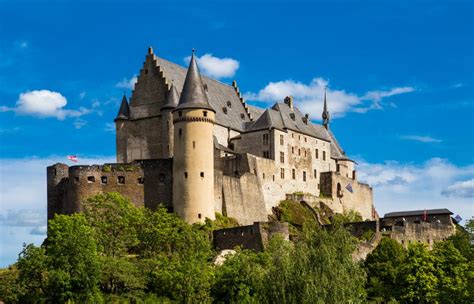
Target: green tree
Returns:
[[383, 268], [114, 220], [451, 269], [10, 289], [72, 259], [122, 276], [32, 266], [418, 276]]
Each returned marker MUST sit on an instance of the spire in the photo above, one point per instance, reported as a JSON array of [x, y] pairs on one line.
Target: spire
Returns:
[[124, 112], [172, 99], [326, 115], [193, 94]]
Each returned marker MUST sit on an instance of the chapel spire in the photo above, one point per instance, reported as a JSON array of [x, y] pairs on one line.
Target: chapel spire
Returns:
[[325, 115], [193, 94], [124, 111]]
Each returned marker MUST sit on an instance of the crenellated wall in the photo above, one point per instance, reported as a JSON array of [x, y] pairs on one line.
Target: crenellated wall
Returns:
[[145, 183]]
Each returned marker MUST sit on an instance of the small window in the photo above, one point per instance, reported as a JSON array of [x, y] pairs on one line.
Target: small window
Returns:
[[304, 176], [318, 186], [121, 180], [273, 177], [185, 174], [338, 168], [292, 116], [282, 141], [202, 174], [263, 175], [266, 154], [292, 150], [299, 152], [141, 180], [236, 173], [55, 172], [324, 155], [299, 137], [146, 71], [304, 152], [180, 113], [293, 173], [103, 180], [305, 139], [224, 109], [316, 152], [242, 116], [76, 179], [265, 139], [91, 179], [180, 132], [292, 135], [194, 144], [282, 157], [282, 173], [204, 113], [199, 215], [229, 104], [315, 173], [339, 190]]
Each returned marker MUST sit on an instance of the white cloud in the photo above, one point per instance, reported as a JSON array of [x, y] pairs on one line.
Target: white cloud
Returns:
[[460, 189], [436, 183], [109, 127], [79, 123], [44, 103], [216, 67], [39, 230], [82, 95], [127, 83], [309, 97], [419, 138], [23, 200]]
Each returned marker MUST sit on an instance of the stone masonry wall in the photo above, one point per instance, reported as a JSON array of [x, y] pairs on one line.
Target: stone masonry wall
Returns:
[[147, 183]]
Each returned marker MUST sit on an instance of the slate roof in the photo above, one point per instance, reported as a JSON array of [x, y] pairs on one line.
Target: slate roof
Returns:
[[221, 95], [172, 99], [124, 111], [218, 95], [193, 95], [417, 212]]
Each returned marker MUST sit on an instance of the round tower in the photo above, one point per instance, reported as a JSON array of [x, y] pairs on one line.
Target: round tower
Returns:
[[193, 159], [167, 121]]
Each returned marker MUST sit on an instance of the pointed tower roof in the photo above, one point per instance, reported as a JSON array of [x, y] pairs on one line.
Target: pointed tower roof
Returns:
[[172, 99], [325, 115], [193, 94], [124, 111]]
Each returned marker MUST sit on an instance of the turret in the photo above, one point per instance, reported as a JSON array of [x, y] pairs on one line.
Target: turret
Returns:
[[122, 118], [171, 103], [325, 115], [193, 159]]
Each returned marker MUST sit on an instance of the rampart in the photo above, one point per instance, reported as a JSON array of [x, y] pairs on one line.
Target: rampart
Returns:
[[145, 183], [255, 236]]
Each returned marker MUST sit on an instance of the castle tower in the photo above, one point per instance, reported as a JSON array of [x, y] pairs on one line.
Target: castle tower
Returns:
[[326, 115], [167, 121], [123, 116], [193, 159]]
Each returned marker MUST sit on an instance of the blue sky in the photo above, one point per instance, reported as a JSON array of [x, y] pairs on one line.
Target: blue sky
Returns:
[[399, 77]]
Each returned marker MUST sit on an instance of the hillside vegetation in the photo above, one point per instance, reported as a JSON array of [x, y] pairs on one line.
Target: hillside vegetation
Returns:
[[114, 252]]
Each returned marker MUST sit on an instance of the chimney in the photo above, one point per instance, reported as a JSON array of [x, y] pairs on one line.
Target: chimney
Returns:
[[289, 101]]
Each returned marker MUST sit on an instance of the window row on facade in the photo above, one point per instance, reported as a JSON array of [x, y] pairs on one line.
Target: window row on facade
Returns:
[[104, 180]]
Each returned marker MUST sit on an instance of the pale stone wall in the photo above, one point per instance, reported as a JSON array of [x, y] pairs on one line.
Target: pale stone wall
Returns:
[[243, 199], [223, 134], [193, 165], [423, 232]]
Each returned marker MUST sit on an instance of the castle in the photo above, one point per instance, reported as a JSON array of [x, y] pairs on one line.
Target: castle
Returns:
[[193, 144]]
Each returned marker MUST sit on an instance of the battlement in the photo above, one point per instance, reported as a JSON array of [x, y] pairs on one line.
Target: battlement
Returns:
[[145, 183]]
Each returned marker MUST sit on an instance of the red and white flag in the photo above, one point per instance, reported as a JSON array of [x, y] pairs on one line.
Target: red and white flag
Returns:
[[72, 158]]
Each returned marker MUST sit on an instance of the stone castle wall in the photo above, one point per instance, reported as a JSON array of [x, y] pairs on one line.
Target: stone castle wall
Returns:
[[423, 232], [146, 183]]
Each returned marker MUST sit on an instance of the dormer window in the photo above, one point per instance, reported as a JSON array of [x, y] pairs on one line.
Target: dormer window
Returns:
[[205, 87], [229, 104], [224, 109], [242, 115], [292, 116]]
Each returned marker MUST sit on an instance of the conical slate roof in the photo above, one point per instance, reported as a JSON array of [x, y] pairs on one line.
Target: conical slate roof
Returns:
[[193, 94], [325, 115], [124, 111], [172, 99]]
